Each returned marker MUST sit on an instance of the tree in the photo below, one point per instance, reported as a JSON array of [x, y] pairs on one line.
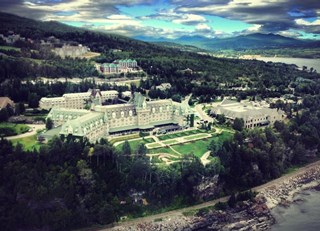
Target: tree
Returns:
[[3, 115], [33, 100], [192, 120], [238, 124], [141, 150], [232, 200], [49, 123], [221, 119], [126, 149], [299, 152], [176, 97], [19, 108]]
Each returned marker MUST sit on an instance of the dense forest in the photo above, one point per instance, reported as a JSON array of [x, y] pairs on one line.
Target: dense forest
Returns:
[[69, 184]]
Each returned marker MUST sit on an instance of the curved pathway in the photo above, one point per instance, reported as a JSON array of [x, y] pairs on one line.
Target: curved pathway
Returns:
[[34, 128]]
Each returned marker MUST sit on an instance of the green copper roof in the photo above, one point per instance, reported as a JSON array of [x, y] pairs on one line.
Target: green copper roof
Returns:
[[139, 100], [84, 124]]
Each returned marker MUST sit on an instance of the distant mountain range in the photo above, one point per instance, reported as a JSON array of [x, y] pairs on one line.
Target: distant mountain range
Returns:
[[251, 41], [38, 29]]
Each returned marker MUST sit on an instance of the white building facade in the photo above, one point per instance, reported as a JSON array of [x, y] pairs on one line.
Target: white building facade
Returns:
[[139, 114], [254, 114], [76, 100]]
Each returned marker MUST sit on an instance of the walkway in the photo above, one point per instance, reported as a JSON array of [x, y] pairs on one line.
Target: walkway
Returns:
[[34, 127], [204, 158], [202, 114]]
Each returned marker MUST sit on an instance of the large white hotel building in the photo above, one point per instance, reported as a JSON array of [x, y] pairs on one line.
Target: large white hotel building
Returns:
[[102, 120]]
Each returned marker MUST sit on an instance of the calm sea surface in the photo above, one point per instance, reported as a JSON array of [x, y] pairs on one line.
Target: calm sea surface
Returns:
[[303, 215], [315, 63]]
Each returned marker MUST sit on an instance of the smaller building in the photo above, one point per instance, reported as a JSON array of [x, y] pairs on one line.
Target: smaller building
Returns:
[[118, 66], [126, 94], [254, 114], [78, 100], [71, 51], [6, 102], [12, 38], [163, 86]]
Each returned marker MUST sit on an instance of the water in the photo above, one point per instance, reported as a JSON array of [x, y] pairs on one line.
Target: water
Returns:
[[301, 215], [300, 62]]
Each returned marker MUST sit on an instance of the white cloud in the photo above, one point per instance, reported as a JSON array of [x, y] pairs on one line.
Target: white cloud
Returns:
[[272, 15], [289, 33], [254, 28], [303, 22], [189, 19], [119, 17], [178, 18], [203, 27]]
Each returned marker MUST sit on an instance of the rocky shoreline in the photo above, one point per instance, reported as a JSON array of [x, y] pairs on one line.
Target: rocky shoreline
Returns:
[[247, 215], [284, 192]]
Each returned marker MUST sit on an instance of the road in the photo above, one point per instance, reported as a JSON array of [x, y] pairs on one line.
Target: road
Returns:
[[202, 114], [34, 127], [179, 212]]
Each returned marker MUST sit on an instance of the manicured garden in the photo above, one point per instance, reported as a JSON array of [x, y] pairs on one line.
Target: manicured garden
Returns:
[[135, 143], [198, 147], [168, 142], [197, 136], [123, 138], [180, 134], [162, 150]]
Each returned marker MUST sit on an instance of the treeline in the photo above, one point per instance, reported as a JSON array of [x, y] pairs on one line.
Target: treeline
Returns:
[[256, 156], [31, 92], [31, 68], [67, 185]]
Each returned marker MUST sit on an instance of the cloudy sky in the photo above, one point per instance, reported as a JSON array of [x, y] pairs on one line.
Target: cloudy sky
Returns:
[[175, 18]]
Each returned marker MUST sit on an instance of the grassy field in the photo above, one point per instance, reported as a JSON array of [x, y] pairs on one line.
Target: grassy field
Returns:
[[123, 138], [168, 142], [11, 129], [180, 134], [29, 143], [198, 147], [8, 48], [197, 136], [135, 143], [155, 145], [161, 150]]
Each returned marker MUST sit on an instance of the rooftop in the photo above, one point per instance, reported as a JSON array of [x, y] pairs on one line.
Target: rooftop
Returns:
[[4, 101]]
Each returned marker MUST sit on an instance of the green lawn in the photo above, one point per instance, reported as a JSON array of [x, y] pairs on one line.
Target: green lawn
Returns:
[[162, 150], [168, 142], [8, 48], [135, 143], [198, 147], [155, 145], [29, 143], [123, 138], [11, 129], [180, 134], [197, 136]]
